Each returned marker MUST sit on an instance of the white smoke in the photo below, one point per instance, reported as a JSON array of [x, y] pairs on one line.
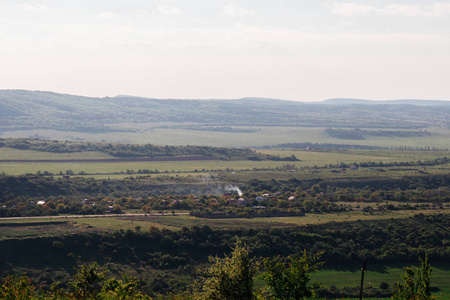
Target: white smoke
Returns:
[[233, 188]]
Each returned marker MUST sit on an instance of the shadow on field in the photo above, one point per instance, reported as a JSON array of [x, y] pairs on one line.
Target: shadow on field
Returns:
[[356, 267], [382, 268]]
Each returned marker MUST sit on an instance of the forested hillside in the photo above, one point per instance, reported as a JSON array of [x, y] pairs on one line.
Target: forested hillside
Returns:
[[27, 110]]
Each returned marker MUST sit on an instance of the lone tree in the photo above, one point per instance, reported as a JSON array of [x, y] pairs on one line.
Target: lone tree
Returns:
[[231, 277], [289, 277], [416, 283], [87, 282]]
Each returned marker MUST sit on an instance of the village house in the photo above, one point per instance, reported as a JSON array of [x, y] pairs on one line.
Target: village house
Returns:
[[237, 202], [242, 201]]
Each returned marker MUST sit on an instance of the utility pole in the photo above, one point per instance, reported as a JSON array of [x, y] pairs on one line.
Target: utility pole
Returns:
[[363, 270]]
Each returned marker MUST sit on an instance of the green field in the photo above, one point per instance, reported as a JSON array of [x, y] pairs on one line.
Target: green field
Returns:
[[350, 276], [262, 136], [307, 159], [54, 226]]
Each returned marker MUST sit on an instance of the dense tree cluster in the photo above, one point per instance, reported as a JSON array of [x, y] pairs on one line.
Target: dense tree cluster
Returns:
[[87, 283], [359, 134], [136, 150], [320, 146]]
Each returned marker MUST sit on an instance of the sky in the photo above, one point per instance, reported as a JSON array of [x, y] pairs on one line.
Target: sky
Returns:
[[303, 50]]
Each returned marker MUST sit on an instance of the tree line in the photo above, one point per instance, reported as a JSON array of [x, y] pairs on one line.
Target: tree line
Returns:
[[359, 134], [328, 146], [136, 150]]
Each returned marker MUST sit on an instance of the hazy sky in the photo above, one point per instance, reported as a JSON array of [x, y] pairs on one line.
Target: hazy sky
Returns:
[[289, 49]]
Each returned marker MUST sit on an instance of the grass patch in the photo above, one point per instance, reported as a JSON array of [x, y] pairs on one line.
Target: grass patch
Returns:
[[350, 276], [23, 228], [27, 228], [176, 222], [311, 219]]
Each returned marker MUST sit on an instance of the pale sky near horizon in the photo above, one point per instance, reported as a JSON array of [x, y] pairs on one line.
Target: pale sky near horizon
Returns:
[[198, 49]]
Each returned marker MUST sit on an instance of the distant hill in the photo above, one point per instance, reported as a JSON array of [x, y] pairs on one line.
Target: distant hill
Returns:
[[346, 101], [27, 110]]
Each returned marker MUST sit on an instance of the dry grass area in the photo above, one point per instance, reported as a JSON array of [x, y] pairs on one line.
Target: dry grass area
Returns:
[[25, 228]]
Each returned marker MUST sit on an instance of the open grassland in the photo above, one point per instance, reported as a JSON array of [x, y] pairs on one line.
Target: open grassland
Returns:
[[98, 168], [346, 217], [328, 156], [178, 221], [340, 276], [350, 276], [313, 219], [29, 228], [32, 227], [361, 174], [236, 170], [172, 134], [307, 159], [24, 228]]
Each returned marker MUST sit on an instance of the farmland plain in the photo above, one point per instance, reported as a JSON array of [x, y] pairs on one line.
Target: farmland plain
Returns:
[[258, 137], [307, 159], [171, 220], [311, 164]]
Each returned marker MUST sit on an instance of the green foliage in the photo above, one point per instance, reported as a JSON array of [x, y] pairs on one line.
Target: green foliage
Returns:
[[416, 283], [17, 288], [155, 257], [231, 277], [358, 134], [87, 282], [289, 277], [125, 288]]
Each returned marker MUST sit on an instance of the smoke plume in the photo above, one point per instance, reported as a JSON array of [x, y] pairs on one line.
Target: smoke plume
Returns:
[[233, 188]]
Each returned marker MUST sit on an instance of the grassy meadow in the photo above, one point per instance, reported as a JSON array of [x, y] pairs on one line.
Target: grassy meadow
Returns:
[[53, 226], [173, 134], [307, 159], [350, 276]]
